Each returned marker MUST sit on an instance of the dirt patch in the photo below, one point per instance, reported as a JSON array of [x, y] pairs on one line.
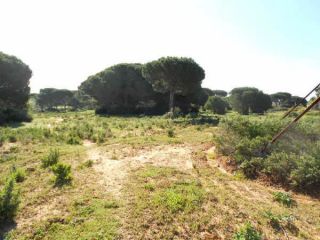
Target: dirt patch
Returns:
[[114, 166]]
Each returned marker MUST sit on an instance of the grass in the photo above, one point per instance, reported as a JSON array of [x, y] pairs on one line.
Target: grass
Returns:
[[156, 203]]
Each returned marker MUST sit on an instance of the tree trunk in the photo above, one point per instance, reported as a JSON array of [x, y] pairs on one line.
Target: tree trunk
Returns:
[[171, 101]]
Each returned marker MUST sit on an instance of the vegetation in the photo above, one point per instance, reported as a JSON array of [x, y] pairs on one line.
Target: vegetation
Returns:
[[245, 100], [283, 198], [9, 201], [75, 174], [293, 161], [155, 202], [62, 174], [216, 105], [247, 232], [174, 76], [14, 89]]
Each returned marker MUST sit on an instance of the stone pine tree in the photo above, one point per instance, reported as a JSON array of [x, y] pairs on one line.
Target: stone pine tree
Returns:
[[14, 88], [173, 75]]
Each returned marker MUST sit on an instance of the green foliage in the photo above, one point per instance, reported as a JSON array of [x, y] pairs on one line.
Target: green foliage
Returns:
[[62, 174], [51, 159], [119, 89], [14, 89], [170, 133], [245, 100], [216, 105], [248, 232], [18, 174], [173, 75], [182, 196], [9, 201], [283, 198], [278, 222], [293, 161]]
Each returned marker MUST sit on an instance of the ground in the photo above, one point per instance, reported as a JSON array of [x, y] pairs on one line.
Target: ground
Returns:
[[138, 178]]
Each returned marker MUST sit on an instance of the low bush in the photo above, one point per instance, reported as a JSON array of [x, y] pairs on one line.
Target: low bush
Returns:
[[283, 198], [292, 161], [182, 196], [247, 232], [62, 174], [9, 201], [18, 174], [51, 159]]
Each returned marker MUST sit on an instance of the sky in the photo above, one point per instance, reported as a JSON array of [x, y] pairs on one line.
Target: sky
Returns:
[[273, 45]]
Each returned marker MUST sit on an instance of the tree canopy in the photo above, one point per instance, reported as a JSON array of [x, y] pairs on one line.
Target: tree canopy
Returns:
[[173, 75], [14, 86], [119, 89], [216, 104], [246, 99]]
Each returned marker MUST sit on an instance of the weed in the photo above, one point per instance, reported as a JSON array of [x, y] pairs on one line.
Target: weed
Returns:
[[51, 159], [283, 198], [111, 204], [170, 133], [180, 197], [149, 187], [18, 174], [62, 174], [247, 232], [9, 201]]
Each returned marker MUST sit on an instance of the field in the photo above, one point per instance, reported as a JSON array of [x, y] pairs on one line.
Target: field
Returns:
[[141, 178]]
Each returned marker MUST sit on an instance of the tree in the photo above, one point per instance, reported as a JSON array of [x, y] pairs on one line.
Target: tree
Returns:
[[281, 99], [220, 93], [50, 98], [119, 89], [173, 75], [14, 87], [246, 99], [216, 104], [296, 99]]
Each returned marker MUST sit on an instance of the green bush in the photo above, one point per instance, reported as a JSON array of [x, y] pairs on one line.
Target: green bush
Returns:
[[247, 232], [283, 198], [18, 174], [306, 175], [51, 159], [170, 133], [9, 201], [216, 105], [62, 174], [292, 161]]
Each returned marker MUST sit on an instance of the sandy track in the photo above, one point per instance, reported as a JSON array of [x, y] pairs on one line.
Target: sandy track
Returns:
[[114, 172]]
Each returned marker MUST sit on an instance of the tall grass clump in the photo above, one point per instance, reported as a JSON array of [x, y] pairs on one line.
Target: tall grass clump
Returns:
[[293, 161], [247, 232], [51, 159], [62, 173], [9, 201]]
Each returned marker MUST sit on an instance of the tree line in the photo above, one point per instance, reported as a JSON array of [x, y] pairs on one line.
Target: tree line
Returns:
[[169, 84]]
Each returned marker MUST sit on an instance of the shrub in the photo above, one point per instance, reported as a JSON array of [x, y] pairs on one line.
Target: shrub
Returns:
[[292, 161], [247, 232], [62, 174], [279, 221], [18, 174], [278, 166], [283, 198], [12, 138], [73, 140], [51, 159], [180, 197], [9, 201], [216, 105], [306, 175], [170, 133]]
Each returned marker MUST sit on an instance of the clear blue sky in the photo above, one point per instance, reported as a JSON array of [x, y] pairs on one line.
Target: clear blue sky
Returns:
[[270, 44]]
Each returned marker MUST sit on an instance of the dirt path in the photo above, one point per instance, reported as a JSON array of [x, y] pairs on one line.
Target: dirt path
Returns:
[[115, 167]]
